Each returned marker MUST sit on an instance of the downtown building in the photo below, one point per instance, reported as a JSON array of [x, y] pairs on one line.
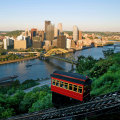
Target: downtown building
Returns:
[[8, 42], [75, 33], [50, 32], [61, 41], [22, 42], [60, 29]]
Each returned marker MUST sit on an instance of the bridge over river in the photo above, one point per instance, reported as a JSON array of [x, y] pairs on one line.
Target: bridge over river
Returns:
[[52, 54], [73, 62]]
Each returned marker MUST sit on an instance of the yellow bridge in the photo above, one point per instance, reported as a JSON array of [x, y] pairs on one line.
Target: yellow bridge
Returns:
[[55, 51]]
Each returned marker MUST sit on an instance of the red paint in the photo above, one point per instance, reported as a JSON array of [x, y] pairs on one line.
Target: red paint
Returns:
[[69, 93], [66, 92]]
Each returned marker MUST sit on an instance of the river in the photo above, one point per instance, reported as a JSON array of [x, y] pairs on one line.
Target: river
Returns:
[[42, 69]]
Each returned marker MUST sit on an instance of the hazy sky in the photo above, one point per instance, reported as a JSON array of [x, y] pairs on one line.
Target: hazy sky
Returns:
[[88, 15]]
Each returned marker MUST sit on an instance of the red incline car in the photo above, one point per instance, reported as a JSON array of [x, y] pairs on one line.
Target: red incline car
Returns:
[[67, 86]]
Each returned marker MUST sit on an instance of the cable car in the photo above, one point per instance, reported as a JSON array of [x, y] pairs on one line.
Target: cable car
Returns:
[[66, 86]]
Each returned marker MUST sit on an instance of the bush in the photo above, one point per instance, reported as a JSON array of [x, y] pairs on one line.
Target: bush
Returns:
[[27, 101], [108, 53], [109, 82], [85, 63], [11, 91], [43, 103], [101, 67]]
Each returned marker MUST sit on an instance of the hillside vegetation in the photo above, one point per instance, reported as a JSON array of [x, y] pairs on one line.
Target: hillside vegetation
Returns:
[[105, 73], [13, 33]]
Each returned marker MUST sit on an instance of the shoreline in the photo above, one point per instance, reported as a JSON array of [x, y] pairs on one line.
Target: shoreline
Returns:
[[18, 60], [30, 58]]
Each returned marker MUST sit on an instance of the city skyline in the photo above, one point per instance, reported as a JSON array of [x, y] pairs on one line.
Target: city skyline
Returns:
[[88, 15]]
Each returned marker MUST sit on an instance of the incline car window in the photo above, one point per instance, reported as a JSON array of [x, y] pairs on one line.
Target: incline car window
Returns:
[[61, 84], [79, 89], [57, 83], [70, 86], [75, 88], [53, 82], [66, 85]]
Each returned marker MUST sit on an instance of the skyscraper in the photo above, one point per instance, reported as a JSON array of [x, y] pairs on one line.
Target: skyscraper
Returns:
[[75, 33], [41, 35], [60, 28], [61, 41], [33, 32], [80, 35], [46, 24], [56, 32], [50, 32]]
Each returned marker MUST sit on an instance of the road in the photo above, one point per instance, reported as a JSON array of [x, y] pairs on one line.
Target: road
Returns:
[[42, 83]]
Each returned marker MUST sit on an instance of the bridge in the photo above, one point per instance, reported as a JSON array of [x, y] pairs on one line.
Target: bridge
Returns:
[[55, 51], [71, 61], [100, 105], [51, 54]]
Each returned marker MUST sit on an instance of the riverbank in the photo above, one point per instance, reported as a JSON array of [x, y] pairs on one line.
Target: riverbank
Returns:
[[18, 60]]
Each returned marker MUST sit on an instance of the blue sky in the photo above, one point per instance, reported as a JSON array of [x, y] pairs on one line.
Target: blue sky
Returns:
[[88, 15]]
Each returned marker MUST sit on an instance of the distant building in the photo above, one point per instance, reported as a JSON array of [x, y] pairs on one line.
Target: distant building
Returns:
[[1, 43], [61, 41], [41, 35], [79, 44], [54, 43], [47, 45], [73, 44], [50, 32], [56, 32], [22, 42], [60, 28], [66, 34], [37, 42], [8, 42], [68, 43], [80, 35], [75, 33], [46, 25], [33, 32]]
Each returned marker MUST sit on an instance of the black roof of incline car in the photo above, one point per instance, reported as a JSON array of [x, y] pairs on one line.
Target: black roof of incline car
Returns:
[[72, 77]]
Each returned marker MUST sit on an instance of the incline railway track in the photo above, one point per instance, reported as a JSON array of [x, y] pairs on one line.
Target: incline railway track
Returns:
[[108, 103]]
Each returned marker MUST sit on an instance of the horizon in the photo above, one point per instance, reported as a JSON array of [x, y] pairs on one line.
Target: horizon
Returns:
[[88, 15]]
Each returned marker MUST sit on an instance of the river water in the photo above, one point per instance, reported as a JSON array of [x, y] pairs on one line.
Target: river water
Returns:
[[42, 69]]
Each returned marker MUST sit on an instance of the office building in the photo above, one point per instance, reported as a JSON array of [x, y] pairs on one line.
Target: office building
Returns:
[[37, 42], [80, 35], [22, 42], [61, 41], [8, 42], [73, 44], [50, 32], [75, 33], [41, 34], [68, 43], [47, 45], [60, 28], [1, 43], [33, 32], [54, 43], [46, 25], [56, 32]]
